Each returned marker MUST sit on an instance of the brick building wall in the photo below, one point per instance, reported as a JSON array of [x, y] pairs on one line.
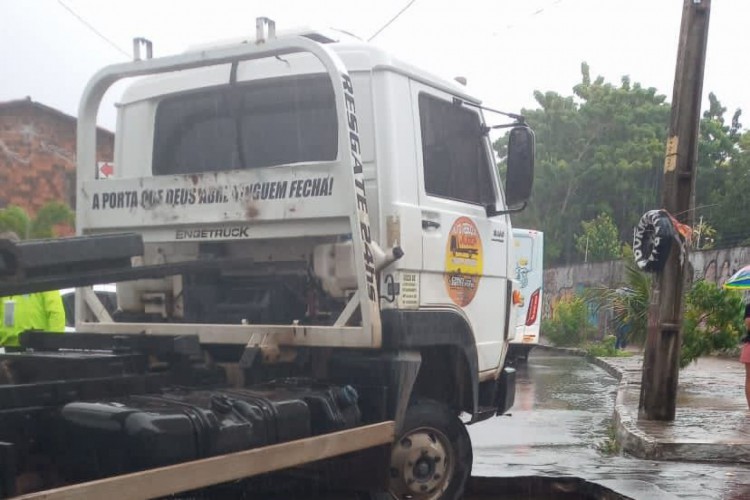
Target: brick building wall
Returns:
[[37, 154]]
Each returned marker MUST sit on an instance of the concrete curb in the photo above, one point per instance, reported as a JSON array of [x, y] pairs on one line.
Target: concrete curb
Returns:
[[639, 443]]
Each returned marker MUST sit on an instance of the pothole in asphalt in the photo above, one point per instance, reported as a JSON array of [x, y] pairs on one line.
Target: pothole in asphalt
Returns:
[[538, 488]]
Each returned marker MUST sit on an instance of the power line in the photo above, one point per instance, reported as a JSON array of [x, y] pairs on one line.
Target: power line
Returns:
[[530, 15], [96, 32], [409, 4]]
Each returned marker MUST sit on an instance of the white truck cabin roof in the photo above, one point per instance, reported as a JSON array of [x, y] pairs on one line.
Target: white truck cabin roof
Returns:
[[357, 55]]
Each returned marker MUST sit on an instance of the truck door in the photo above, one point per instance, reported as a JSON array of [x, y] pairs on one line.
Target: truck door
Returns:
[[465, 253]]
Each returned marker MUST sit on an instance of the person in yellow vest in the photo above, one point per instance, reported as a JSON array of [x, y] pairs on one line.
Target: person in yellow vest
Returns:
[[33, 311]]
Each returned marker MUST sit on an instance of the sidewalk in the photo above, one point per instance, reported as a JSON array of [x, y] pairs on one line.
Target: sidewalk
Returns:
[[712, 421]]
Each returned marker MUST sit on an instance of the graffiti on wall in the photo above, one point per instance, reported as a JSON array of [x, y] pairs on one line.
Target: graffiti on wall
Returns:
[[552, 299], [715, 266], [717, 272]]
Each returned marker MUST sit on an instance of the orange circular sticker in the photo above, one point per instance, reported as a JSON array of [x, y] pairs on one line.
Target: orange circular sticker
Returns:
[[463, 261]]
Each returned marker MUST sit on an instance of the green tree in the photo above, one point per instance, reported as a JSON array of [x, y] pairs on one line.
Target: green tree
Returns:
[[599, 240], [717, 145], [726, 204], [704, 236], [599, 150], [713, 321]]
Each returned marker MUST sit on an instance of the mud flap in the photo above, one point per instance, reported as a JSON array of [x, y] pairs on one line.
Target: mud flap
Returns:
[[506, 390]]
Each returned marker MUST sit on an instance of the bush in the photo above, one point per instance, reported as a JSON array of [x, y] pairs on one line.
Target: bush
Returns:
[[50, 215], [605, 349], [713, 321], [628, 301], [569, 325], [14, 218]]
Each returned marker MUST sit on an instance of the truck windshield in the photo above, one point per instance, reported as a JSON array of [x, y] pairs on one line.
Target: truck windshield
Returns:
[[246, 125]]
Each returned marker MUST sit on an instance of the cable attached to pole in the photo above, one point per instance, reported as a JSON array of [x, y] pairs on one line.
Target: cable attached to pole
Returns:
[[404, 9]]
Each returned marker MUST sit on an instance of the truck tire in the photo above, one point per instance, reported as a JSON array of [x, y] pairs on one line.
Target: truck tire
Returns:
[[431, 459], [652, 241]]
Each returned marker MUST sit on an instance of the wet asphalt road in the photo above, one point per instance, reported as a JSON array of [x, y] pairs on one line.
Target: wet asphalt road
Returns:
[[561, 425]]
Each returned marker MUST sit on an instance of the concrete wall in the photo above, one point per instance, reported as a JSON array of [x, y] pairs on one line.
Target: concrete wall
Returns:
[[560, 282], [715, 266]]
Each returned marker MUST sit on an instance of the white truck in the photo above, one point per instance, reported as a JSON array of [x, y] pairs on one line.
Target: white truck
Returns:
[[528, 263], [326, 269]]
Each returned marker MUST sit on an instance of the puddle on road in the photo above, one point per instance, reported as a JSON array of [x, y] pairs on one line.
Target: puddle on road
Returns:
[[569, 383], [562, 418]]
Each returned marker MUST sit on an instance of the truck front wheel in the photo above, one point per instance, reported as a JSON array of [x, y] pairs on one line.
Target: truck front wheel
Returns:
[[432, 457]]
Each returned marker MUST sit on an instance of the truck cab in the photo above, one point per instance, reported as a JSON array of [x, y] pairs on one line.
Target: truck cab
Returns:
[[340, 217]]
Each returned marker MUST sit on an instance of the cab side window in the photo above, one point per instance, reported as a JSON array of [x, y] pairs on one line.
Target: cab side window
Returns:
[[455, 161]]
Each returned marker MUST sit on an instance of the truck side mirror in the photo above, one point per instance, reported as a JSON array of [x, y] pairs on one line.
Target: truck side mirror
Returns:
[[520, 174]]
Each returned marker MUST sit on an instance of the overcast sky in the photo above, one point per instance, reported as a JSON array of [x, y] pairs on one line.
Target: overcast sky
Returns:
[[506, 48]]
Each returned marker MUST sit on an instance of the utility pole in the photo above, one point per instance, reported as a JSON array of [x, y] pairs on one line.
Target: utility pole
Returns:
[[662, 355]]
